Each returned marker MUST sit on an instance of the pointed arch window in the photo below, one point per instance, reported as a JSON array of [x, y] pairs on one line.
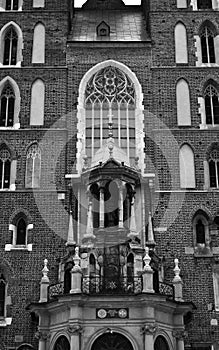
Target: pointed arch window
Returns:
[[207, 45], [33, 167], [110, 97], [211, 105], [7, 106], [21, 232], [2, 295], [10, 47], [181, 49], [5, 168], [187, 167], [201, 234], [204, 4], [213, 162], [11, 5]]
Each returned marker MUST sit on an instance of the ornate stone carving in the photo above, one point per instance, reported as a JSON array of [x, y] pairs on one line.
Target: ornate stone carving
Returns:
[[42, 335], [179, 334], [149, 328], [75, 329]]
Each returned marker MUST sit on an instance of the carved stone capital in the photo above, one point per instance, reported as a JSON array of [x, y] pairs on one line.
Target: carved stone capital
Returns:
[[42, 335], [75, 329], [149, 328], [179, 334]]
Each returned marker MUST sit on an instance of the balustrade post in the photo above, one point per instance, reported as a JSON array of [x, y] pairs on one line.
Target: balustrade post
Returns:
[[76, 274], [44, 284], [177, 282], [147, 274]]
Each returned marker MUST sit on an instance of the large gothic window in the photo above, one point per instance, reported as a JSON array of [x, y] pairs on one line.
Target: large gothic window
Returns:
[[10, 47], [110, 97], [7, 106], [207, 45], [5, 168], [33, 167], [211, 105]]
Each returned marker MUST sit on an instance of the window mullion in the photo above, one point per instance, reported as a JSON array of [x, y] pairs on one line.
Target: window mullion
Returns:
[[92, 131], [212, 109], [6, 112], [127, 128], [3, 173], [101, 124], [119, 124], [33, 172], [207, 44]]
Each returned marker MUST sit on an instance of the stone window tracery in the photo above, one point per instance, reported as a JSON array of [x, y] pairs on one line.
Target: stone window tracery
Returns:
[[110, 97], [5, 168], [207, 45], [213, 162], [10, 47], [211, 105], [7, 106], [33, 167]]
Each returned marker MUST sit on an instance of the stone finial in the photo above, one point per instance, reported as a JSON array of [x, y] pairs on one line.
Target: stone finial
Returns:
[[77, 260], [76, 274], [85, 158], [70, 240], [151, 240], [44, 284], [177, 282], [176, 270], [45, 270], [147, 274]]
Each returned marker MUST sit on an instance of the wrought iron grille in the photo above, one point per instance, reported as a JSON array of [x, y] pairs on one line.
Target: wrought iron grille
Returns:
[[166, 289], [109, 285]]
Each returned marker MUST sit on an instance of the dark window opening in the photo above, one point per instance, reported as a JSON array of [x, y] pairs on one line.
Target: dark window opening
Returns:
[[21, 233]]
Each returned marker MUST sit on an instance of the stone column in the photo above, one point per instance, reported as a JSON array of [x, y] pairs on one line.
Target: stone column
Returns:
[[148, 330], [43, 337], [101, 207], [75, 332], [44, 284], [121, 225], [179, 335]]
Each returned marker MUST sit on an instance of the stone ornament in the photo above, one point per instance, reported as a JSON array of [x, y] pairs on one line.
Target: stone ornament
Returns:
[[75, 329], [179, 334], [42, 335], [149, 328]]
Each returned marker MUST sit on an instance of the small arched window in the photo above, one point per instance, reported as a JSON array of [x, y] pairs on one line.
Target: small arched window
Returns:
[[207, 45], [181, 50], [213, 162], [11, 5], [5, 168], [10, 47], [38, 55], [7, 106], [62, 343], [21, 232], [37, 103], [2, 295], [33, 167], [187, 167], [130, 268], [201, 231], [183, 103], [204, 4], [211, 105], [92, 264]]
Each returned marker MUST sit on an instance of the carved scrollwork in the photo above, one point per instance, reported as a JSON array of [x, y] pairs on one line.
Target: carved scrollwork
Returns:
[[75, 329], [179, 334], [42, 335], [149, 328]]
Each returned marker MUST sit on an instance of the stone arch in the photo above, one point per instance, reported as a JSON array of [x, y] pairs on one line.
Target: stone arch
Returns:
[[139, 117], [16, 89], [20, 42], [162, 337], [112, 330], [25, 346], [58, 336]]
